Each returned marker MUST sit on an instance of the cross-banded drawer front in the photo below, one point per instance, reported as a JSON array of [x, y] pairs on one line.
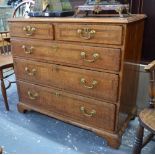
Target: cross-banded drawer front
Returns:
[[31, 30], [84, 110], [90, 83], [106, 34], [73, 54]]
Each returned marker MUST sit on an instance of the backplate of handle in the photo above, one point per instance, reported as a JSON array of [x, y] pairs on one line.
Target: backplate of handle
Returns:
[[28, 50], [33, 95], [86, 113], [95, 56], [86, 33], [91, 86], [29, 30], [30, 72]]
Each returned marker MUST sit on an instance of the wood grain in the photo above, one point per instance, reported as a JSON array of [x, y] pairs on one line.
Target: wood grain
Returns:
[[42, 31], [69, 54], [69, 78], [68, 105], [106, 34], [59, 77]]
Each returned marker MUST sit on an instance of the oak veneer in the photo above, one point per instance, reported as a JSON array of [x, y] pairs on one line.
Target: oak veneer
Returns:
[[62, 100], [71, 54], [69, 78], [107, 34], [44, 31], [79, 70]]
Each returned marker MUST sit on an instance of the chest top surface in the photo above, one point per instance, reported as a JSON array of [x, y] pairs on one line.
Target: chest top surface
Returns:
[[130, 19]]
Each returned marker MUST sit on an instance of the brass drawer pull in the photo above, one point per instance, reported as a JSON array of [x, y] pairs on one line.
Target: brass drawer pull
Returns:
[[27, 50], [32, 96], [57, 94], [86, 33], [29, 30], [83, 82], [86, 113], [30, 72], [95, 57]]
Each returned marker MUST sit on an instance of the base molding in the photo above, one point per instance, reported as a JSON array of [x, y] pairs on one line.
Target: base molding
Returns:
[[113, 139]]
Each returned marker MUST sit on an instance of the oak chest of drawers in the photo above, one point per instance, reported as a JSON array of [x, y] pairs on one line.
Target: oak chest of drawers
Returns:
[[79, 70]]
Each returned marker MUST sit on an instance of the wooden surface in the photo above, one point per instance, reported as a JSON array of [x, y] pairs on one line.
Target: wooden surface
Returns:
[[69, 78], [147, 116], [116, 20], [44, 31], [68, 105], [134, 36], [106, 34], [6, 60], [60, 76], [108, 59]]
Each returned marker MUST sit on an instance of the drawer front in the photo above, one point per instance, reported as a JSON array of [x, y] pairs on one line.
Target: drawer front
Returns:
[[106, 34], [31, 30], [89, 56], [84, 110], [91, 83]]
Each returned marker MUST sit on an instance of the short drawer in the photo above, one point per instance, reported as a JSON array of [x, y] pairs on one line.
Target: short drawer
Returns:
[[80, 109], [106, 34], [90, 83], [31, 30], [73, 54]]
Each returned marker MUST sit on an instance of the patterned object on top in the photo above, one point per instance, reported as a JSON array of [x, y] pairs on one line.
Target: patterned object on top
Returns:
[[102, 2], [52, 5]]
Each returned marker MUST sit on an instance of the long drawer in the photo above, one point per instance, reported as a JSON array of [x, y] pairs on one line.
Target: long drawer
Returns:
[[91, 33], [31, 30], [73, 54], [87, 111], [91, 83]]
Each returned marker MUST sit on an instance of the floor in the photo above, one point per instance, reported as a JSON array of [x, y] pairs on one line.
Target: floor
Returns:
[[36, 133]]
